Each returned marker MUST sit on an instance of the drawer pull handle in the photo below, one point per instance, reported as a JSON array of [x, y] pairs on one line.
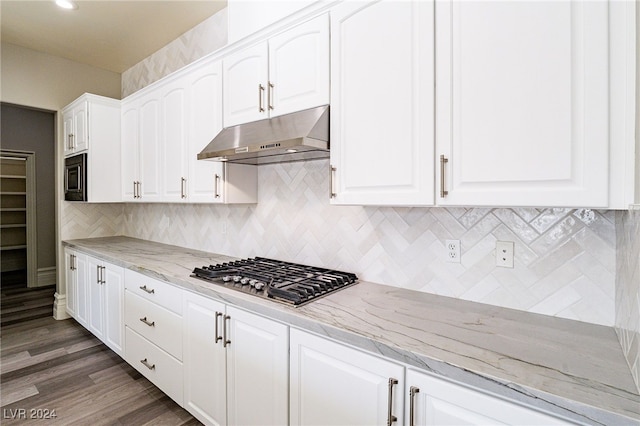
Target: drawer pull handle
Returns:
[[218, 336], [390, 417], [150, 324], [146, 364], [144, 288], [443, 192], [224, 331], [412, 408]]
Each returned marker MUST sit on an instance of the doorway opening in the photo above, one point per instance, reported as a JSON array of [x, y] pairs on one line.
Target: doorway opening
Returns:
[[18, 239]]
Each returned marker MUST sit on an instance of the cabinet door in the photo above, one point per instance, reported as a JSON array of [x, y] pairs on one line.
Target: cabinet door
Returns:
[[174, 132], [205, 110], [332, 384], [113, 288], [82, 282], [522, 103], [71, 279], [95, 297], [440, 402], [81, 132], [245, 85], [257, 370], [299, 68], [382, 118], [130, 149], [204, 360], [67, 123], [150, 148]]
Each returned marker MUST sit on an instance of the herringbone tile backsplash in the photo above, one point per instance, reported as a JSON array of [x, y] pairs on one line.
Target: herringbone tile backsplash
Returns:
[[207, 37], [564, 258]]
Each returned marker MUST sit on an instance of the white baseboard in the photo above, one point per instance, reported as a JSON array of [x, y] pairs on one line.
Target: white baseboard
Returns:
[[60, 307], [47, 276]]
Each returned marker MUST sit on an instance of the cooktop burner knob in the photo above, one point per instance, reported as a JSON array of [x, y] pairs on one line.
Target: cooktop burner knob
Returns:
[[253, 282], [244, 281], [236, 278], [226, 278], [259, 285]]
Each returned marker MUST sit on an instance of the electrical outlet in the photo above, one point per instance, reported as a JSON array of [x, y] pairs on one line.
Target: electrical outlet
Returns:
[[453, 251], [504, 254]]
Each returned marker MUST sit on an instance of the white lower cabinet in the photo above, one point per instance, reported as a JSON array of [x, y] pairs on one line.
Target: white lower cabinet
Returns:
[[153, 319], [158, 366], [235, 365], [76, 270], [434, 401], [95, 297], [332, 384]]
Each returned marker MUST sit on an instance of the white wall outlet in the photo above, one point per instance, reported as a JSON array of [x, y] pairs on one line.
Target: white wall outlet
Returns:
[[504, 254], [453, 251]]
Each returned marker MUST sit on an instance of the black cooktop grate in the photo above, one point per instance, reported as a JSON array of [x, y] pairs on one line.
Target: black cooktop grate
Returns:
[[283, 281]]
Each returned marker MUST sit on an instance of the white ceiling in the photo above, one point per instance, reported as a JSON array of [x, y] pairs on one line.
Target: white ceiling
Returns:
[[113, 35]]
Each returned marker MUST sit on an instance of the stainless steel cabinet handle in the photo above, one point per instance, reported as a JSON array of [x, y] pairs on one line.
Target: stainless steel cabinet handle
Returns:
[[443, 161], [183, 188], [260, 97], [102, 269], [224, 331], [390, 417], [144, 288], [215, 185], [98, 274], [72, 262], [332, 171], [150, 324], [139, 189], [146, 364], [270, 96], [412, 394], [218, 336]]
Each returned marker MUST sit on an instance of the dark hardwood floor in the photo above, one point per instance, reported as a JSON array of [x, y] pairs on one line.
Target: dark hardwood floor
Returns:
[[50, 367]]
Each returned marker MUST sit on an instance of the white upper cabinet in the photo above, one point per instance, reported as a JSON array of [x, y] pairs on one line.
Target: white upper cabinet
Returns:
[[174, 110], [74, 118], [96, 119], [165, 127], [245, 84], [522, 103], [382, 115], [249, 16], [205, 122], [130, 152], [150, 148], [299, 67], [287, 73]]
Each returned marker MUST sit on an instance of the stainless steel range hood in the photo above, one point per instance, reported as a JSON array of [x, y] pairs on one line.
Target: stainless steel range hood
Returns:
[[297, 136]]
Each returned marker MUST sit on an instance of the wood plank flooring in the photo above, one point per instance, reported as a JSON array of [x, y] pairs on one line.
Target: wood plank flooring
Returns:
[[48, 365]]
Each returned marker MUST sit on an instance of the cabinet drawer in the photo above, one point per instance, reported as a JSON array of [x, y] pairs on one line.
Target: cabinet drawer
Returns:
[[156, 291], [155, 364], [155, 323]]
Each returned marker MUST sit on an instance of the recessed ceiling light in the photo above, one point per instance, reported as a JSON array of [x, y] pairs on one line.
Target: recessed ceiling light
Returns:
[[67, 4]]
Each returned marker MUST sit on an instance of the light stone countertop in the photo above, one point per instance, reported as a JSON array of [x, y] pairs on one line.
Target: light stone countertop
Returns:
[[574, 369]]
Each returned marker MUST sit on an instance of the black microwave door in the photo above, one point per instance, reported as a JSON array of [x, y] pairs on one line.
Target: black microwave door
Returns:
[[75, 180]]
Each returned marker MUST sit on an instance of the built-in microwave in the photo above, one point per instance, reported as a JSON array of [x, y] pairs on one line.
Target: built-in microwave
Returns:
[[75, 178]]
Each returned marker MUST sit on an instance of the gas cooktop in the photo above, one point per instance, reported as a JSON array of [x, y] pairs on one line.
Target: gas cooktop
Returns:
[[285, 282]]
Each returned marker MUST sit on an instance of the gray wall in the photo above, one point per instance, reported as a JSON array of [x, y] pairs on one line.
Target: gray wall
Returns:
[[27, 129]]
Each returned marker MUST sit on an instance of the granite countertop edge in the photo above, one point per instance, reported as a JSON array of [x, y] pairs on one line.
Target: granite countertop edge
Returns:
[[578, 399]]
